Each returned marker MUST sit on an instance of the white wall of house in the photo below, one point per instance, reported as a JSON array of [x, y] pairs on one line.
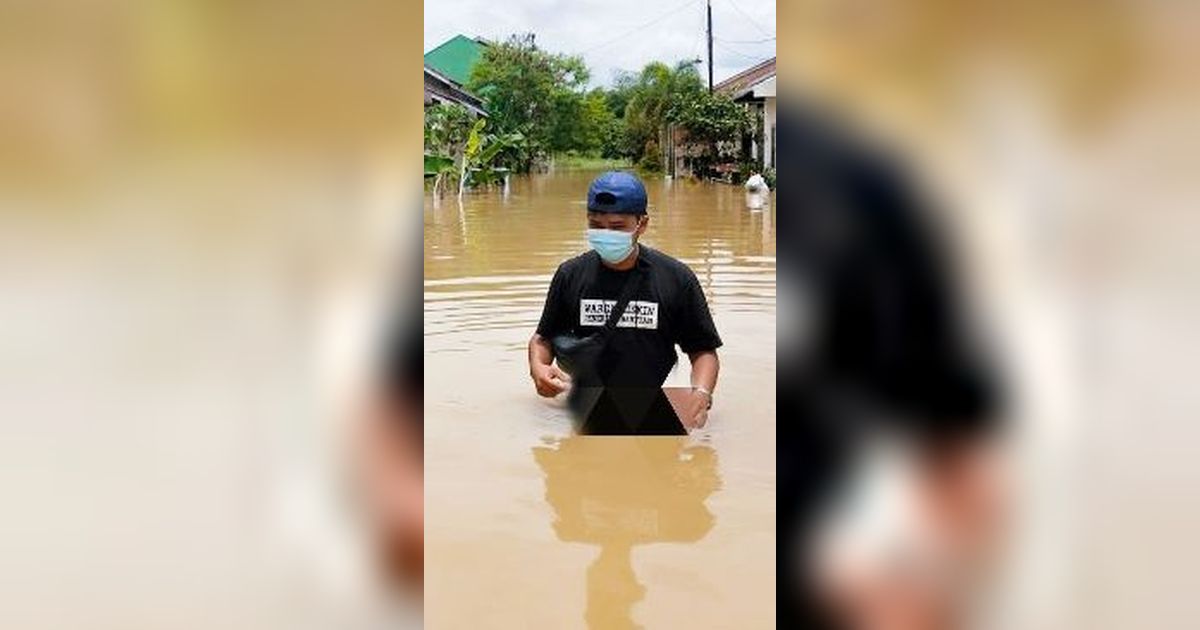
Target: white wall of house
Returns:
[[769, 133], [766, 90]]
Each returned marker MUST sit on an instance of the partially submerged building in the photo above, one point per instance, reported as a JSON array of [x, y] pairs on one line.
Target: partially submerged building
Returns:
[[441, 89], [755, 87], [448, 68]]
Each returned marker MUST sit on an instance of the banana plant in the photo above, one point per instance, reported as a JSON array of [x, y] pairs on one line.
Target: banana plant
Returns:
[[485, 169], [440, 168], [458, 146], [480, 153], [475, 140]]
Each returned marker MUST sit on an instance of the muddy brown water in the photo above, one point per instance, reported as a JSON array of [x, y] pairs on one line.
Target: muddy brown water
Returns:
[[530, 526]]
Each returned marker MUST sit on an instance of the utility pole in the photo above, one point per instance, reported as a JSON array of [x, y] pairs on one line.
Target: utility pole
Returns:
[[710, 84]]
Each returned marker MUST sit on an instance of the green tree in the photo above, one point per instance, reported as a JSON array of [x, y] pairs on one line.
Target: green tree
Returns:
[[715, 125], [617, 97], [651, 98], [447, 126], [538, 102], [534, 93], [597, 126]]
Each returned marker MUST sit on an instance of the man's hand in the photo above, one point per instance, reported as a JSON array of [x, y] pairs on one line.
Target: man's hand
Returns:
[[695, 410], [549, 380]]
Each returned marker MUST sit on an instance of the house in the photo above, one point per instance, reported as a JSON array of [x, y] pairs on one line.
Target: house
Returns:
[[441, 89], [755, 87], [447, 70]]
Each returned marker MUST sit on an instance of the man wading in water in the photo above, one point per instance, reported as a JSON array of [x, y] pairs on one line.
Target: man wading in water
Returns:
[[617, 364]]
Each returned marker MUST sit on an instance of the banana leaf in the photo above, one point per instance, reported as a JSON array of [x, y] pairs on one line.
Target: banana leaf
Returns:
[[435, 164]]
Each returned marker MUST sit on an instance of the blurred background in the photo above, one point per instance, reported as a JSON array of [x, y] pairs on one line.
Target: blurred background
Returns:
[[1059, 142], [203, 227], [206, 215]]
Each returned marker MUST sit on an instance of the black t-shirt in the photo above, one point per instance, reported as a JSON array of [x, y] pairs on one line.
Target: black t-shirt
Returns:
[[668, 309]]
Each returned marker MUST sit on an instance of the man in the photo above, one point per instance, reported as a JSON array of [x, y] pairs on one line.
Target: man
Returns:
[[666, 307], [885, 352]]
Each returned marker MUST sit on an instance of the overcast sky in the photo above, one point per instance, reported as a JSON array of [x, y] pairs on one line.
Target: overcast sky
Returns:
[[617, 34]]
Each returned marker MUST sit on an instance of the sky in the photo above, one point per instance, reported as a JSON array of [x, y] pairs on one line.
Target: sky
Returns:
[[614, 35]]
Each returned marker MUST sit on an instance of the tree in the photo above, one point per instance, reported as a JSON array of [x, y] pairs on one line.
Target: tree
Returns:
[[537, 94], [622, 89], [598, 128], [715, 124], [651, 98], [540, 101]]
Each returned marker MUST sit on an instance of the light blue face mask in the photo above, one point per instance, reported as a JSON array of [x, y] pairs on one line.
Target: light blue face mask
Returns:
[[612, 245]]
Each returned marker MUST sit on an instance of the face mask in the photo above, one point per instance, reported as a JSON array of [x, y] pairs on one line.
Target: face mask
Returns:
[[612, 245]]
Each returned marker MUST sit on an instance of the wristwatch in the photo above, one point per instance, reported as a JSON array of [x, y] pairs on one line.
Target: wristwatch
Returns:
[[697, 388]]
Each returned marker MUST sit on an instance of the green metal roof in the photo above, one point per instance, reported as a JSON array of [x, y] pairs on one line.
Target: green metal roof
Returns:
[[455, 57]]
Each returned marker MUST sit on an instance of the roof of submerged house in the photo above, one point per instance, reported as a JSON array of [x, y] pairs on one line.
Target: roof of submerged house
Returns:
[[743, 82], [455, 57]]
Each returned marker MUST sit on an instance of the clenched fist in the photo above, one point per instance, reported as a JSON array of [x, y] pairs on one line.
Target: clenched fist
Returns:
[[549, 380]]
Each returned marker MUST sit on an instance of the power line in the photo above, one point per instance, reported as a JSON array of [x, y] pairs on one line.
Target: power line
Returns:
[[741, 54], [745, 41], [737, 49], [750, 19], [643, 26]]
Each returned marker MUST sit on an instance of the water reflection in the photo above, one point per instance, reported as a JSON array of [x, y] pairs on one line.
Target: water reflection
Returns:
[[755, 200], [618, 492]]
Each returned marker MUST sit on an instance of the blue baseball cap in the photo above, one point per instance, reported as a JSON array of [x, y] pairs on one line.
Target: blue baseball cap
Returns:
[[617, 192]]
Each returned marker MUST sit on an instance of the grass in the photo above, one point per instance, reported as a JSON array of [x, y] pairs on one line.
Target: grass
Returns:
[[586, 162]]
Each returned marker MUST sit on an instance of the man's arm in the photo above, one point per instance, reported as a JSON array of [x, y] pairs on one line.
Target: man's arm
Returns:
[[547, 378], [697, 336], [705, 367]]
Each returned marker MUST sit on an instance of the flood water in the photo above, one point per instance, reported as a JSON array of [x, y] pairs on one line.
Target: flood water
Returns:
[[530, 526]]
